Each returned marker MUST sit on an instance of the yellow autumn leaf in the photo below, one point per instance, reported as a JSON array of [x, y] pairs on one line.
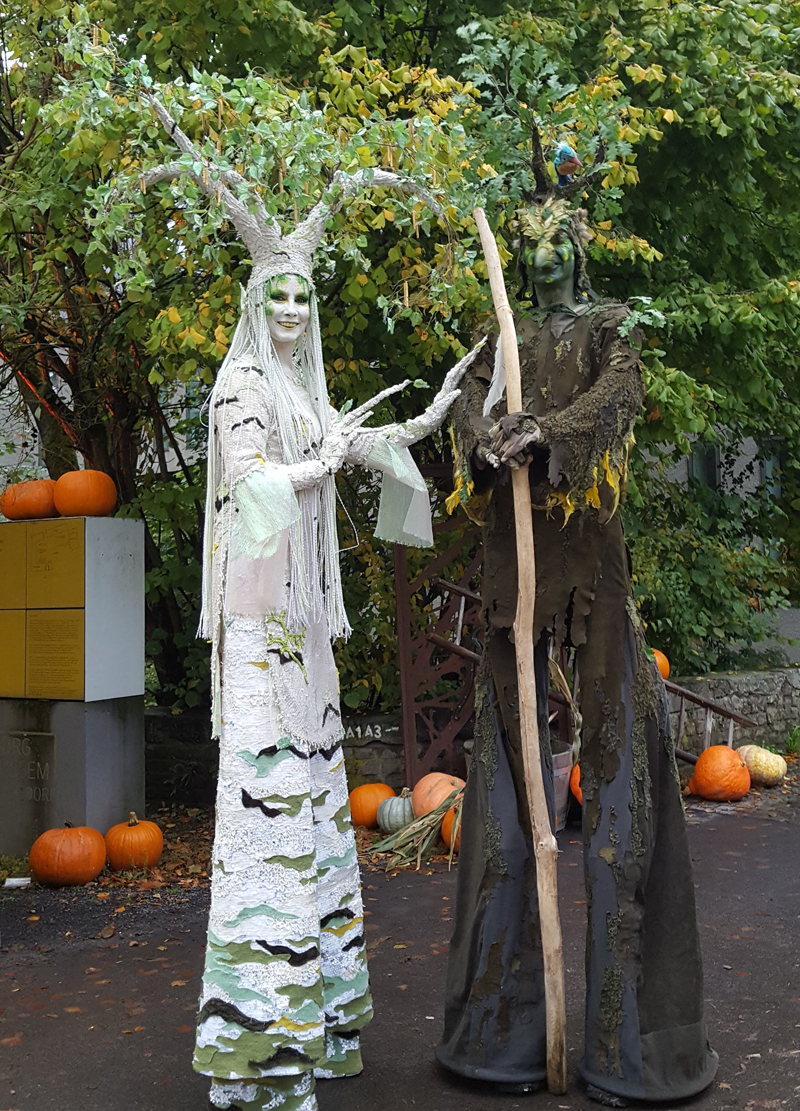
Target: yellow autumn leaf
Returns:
[[173, 315]]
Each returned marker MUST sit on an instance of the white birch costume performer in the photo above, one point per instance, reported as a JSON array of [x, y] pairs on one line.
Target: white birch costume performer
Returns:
[[285, 988]]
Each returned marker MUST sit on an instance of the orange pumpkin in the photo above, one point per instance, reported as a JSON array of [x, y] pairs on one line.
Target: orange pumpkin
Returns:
[[63, 857], [432, 790], [29, 501], [365, 800], [85, 494], [447, 830], [134, 844], [662, 663], [720, 774], [575, 783]]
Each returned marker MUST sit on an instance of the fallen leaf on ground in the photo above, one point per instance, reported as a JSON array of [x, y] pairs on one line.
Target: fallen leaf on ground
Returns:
[[15, 1039], [178, 984], [107, 931]]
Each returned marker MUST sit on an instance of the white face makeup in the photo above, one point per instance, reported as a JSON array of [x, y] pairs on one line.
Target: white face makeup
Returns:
[[286, 304]]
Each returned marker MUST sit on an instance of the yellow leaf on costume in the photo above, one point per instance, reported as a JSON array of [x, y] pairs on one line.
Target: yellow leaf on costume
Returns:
[[287, 1024], [593, 496], [340, 930]]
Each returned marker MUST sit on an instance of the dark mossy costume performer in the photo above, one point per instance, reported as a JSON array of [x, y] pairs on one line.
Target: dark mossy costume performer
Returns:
[[645, 1034]]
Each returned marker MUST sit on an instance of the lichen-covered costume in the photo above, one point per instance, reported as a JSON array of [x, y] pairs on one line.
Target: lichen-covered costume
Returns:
[[285, 988], [645, 1036]]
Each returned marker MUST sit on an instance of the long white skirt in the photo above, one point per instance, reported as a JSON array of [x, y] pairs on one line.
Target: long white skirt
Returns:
[[285, 988]]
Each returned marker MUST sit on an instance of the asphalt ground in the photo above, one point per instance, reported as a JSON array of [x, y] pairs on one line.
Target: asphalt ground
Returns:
[[106, 1024]]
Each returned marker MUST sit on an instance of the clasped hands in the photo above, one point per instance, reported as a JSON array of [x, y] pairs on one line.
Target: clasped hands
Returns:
[[511, 439]]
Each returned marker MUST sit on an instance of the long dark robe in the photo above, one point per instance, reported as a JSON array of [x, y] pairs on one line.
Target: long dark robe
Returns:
[[645, 1036]]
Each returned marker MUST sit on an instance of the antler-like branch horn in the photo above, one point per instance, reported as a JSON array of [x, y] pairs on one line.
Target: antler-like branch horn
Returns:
[[257, 228], [301, 244], [544, 186]]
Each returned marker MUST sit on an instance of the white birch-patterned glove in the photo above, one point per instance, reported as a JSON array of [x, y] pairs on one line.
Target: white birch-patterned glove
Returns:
[[411, 431]]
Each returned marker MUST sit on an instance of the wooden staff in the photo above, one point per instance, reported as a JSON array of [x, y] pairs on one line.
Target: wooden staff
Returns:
[[544, 842]]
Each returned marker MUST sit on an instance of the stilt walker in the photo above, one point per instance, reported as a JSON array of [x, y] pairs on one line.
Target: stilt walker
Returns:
[[582, 389], [285, 990]]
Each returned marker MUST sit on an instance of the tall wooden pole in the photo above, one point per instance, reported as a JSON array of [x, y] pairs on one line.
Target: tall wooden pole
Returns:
[[544, 842]]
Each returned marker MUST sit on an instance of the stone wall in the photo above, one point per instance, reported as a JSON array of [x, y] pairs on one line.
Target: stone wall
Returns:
[[769, 698], [181, 758]]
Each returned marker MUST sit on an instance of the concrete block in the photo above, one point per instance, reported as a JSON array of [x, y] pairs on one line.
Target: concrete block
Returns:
[[72, 762]]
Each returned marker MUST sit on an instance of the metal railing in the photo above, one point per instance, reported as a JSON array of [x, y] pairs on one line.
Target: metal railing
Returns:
[[710, 709]]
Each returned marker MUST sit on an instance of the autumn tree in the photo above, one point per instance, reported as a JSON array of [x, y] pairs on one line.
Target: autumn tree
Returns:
[[111, 334]]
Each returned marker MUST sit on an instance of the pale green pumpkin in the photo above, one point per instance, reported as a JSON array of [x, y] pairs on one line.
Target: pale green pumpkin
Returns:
[[396, 813]]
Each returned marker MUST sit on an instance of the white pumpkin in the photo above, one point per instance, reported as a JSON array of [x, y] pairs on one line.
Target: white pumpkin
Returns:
[[396, 813], [767, 769]]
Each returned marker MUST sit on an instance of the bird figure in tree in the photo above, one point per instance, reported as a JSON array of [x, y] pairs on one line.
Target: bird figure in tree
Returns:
[[566, 162]]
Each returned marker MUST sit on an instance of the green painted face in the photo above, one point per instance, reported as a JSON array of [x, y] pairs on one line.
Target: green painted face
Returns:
[[287, 300], [550, 263]]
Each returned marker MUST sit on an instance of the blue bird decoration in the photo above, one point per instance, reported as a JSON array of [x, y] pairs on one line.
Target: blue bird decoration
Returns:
[[566, 162]]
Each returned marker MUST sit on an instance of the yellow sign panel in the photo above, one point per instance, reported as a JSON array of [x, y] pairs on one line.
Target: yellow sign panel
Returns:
[[12, 565], [54, 653], [55, 561], [12, 653]]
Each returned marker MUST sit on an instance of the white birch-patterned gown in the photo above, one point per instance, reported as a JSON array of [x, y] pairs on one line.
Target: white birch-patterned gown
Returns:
[[285, 988]]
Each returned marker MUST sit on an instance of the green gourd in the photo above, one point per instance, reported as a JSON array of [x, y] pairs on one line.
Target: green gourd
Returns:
[[396, 813]]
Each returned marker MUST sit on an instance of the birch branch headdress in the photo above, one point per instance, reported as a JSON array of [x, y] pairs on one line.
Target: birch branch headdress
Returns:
[[272, 252]]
